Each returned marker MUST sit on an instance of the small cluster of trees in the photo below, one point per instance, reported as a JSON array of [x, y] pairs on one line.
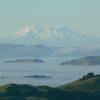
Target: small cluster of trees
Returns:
[[89, 75]]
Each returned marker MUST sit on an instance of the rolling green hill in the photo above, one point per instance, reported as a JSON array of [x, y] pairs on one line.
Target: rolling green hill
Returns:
[[86, 88], [27, 92]]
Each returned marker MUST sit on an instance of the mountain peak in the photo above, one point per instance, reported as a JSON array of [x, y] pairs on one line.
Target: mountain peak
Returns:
[[54, 36]]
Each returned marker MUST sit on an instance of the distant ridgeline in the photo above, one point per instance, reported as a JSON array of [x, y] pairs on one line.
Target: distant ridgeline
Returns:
[[90, 60], [25, 61], [86, 88]]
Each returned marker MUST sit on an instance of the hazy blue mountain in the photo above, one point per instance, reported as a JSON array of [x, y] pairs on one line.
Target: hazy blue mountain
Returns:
[[90, 60], [20, 50], [14, 50]]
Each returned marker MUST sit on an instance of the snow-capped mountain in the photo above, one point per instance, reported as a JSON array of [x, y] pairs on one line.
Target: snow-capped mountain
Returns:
[[52, 36]]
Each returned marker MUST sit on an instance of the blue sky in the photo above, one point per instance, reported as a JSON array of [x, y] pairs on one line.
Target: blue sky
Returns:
[[80, 15]]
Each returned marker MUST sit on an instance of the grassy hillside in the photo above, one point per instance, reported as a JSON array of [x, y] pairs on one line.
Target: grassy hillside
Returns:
[[86, 88], [27, 92]]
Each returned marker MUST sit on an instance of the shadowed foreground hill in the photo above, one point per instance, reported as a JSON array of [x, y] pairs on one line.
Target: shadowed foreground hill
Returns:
[[86, 88], [27, 92]]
